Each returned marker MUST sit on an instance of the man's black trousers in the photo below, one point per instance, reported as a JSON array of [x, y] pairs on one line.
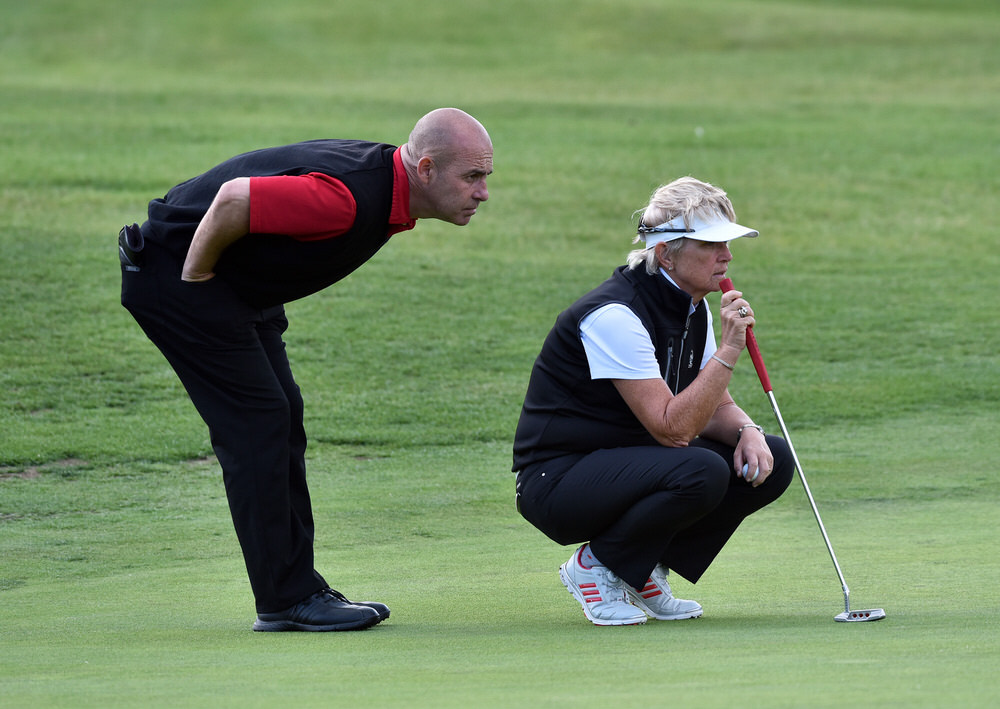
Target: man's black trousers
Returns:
[[647, 505], [231, 359]]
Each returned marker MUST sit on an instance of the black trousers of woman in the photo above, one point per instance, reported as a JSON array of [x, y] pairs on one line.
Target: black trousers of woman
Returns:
[[231, 360], [647, 505]]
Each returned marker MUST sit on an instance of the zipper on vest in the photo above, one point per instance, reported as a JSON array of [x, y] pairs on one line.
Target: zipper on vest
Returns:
[[680, 357], [670, 360]]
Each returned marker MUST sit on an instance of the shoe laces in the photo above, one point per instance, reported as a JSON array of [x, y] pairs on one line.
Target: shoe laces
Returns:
[[610, 585], [334, 593]]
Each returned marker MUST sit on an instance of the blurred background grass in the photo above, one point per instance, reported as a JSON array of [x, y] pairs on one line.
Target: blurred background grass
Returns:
[[862, 144]]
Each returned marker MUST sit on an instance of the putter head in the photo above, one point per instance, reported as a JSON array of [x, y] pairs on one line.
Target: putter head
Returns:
[[860, 616]]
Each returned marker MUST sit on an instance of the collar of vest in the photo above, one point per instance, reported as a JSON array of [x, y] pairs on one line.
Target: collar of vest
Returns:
[[660, 291]]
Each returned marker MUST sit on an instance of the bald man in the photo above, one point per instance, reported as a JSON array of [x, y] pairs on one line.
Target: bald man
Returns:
[[207, 275]]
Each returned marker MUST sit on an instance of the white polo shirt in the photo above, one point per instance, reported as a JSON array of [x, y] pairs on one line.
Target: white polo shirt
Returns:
[[619, 347]]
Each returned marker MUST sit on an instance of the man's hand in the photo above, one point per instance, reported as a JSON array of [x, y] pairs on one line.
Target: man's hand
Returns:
[[196, 277]]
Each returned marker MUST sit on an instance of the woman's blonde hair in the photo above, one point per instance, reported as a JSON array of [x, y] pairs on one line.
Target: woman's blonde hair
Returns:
[[684, 197]]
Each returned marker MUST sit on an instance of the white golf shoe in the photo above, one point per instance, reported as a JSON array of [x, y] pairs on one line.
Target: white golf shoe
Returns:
[[600, 592], [658, 602]]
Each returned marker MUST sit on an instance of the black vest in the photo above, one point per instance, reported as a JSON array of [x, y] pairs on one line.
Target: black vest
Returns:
[[269, 269], [565, 411]]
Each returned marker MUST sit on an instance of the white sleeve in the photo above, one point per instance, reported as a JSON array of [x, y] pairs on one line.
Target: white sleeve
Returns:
[[617, 344], [710, 346]]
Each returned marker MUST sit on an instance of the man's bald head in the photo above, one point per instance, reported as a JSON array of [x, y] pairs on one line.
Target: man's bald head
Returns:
[[445, 132]]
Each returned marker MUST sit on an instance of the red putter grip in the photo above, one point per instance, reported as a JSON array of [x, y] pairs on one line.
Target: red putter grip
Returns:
[[758, 360]]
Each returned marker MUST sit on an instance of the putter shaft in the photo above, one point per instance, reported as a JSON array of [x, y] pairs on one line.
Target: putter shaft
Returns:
[[812, 502], [758, 362]]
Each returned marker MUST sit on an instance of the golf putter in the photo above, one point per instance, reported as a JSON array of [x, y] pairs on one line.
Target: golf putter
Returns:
[[848, 615]]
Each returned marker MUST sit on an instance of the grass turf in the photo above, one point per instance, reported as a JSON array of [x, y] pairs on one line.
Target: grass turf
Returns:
[[858, 137]]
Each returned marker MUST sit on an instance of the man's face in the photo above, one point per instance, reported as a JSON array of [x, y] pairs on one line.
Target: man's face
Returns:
[[457, 187]]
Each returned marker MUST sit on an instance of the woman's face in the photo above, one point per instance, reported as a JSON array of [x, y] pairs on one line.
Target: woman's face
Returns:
[[698, 266]]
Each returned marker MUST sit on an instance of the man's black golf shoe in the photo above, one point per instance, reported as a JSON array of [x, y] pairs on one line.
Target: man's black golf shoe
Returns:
[[321, 612]]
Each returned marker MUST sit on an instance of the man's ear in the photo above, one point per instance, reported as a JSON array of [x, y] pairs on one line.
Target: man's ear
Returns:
[[426, 168]]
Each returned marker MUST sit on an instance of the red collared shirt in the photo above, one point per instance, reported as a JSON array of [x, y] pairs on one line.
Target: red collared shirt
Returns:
[[316, 206]]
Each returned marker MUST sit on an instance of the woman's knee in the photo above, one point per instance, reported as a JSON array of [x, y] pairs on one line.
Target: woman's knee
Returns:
[[784, 464], [705, 477]]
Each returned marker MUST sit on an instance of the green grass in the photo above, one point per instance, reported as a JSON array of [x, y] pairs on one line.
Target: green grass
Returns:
[[859, 137]]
